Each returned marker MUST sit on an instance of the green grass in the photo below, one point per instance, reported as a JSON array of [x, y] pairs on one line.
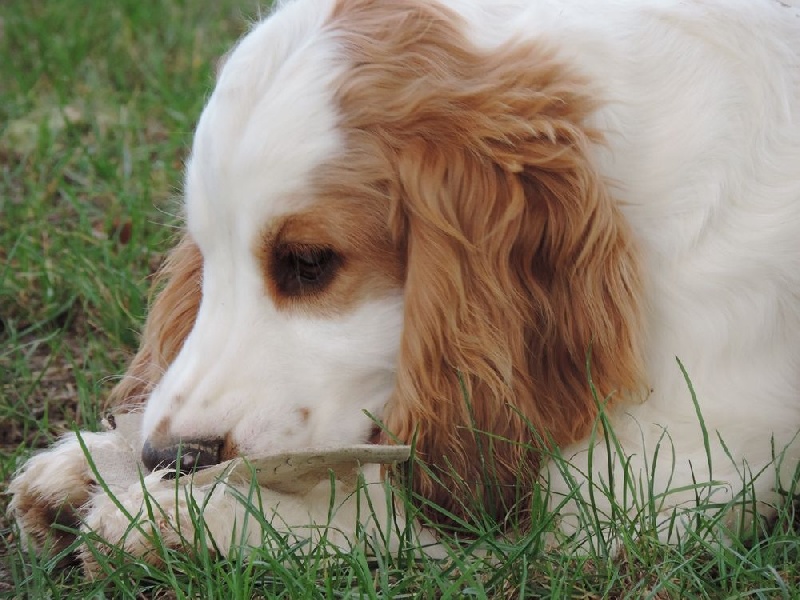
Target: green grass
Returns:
[[97, 104]]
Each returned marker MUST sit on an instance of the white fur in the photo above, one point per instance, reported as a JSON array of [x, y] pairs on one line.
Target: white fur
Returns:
[[702, 118]]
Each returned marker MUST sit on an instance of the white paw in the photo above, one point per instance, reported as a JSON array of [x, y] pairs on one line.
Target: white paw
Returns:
[[49, 491], [145, 520]]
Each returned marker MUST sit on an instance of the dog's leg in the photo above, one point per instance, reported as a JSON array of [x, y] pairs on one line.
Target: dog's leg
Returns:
[[165, 515], [50, 490]]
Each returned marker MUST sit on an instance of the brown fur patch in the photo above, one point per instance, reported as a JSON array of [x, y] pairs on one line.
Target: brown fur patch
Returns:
[[161, 435], [229, 448], [518, 261]]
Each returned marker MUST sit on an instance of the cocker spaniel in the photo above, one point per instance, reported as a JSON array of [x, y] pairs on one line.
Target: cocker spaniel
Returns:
[[485, 228]]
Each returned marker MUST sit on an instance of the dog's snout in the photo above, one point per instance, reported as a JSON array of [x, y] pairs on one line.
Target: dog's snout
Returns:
[[183, 455]]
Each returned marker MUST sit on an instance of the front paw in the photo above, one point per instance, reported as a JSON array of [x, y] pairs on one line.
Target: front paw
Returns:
[[49, 491], [148, 519]]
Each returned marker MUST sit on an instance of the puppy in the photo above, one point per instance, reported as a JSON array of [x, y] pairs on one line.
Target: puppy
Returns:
[[488, 229]]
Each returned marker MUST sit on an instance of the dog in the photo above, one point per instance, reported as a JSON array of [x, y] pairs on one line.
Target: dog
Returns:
[[488, 229]]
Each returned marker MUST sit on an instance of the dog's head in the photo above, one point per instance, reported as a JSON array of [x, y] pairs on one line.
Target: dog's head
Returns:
[[387, 221]]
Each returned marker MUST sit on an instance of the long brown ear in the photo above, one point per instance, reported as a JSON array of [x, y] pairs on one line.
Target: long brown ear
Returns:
[[171, 318], [519, 263], [519, 268]]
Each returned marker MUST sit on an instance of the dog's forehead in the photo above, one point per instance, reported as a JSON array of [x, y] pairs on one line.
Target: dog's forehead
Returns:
[[269, 124]]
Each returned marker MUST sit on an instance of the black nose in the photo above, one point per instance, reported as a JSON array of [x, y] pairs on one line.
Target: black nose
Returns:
[[182, 455]]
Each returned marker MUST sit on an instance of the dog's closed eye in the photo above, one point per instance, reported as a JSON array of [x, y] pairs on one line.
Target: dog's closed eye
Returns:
[[304, 270]]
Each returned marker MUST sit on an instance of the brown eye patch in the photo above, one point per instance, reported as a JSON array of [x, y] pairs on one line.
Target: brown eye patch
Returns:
[[301, 270], [332, 255]]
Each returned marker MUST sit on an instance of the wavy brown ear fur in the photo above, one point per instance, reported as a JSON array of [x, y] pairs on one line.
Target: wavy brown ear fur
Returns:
[[171, 318], [518, 261]]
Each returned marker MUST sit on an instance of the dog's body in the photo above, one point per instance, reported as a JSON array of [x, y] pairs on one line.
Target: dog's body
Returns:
[[448, 214]]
